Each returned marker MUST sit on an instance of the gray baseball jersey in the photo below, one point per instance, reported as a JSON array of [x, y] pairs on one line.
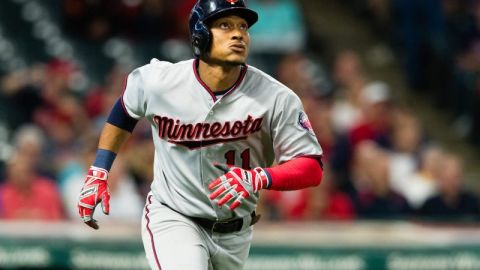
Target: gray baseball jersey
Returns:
[[257, 122]]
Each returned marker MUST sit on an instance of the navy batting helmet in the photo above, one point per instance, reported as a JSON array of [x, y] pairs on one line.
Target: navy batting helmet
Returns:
[[207, 10]]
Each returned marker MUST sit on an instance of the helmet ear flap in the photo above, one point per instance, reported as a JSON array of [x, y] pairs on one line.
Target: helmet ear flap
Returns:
[[200, 39], [196, 46]]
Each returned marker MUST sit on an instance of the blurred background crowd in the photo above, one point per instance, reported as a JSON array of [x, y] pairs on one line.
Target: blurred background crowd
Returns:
[[62, 65]]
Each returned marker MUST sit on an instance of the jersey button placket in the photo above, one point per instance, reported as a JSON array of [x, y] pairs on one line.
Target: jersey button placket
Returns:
[[205, 155]]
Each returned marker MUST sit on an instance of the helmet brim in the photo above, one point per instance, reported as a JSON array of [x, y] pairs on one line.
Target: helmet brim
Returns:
[[249, 15]]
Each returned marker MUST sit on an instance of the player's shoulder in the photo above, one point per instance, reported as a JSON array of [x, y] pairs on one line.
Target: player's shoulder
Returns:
[[158, 66], [158, 75], [266, 83]]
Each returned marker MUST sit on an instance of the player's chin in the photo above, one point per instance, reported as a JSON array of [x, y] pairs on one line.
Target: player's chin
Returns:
[[236, 59]]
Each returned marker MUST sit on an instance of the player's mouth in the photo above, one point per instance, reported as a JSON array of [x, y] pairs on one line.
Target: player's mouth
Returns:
[[238, 47]]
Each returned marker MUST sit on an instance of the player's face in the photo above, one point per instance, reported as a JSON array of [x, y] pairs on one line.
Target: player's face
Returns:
[[231, 41]]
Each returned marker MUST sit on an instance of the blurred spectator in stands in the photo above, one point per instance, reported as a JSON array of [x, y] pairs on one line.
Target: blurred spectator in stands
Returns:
[[319, 111], [1, 201], [99, 100], [406, 139], [422, 184], [27, 195], [375, 198], [56, 90], [289, 205], [453, 201], [350, 81], [124, 194], [30, 141], [291, 71], [326, 202], [75, 166], [374, 124], [319, 203], [68, 125], [376, 119], [61, 115], [21, 89], [304, 75], [438, 43], [139, 154]]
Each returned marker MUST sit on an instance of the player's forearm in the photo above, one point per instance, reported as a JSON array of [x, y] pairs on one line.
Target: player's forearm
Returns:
[[114, 134], [112, 138], [296, 174]]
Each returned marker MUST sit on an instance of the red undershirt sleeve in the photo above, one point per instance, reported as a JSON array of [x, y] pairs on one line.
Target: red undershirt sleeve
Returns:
[[296, 174]]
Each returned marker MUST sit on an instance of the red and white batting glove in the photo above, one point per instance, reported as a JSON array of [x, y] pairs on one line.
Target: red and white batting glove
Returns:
[[237, 184], [94, 191]]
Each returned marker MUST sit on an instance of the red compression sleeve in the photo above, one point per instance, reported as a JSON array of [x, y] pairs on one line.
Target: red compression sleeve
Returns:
[[296, 174]]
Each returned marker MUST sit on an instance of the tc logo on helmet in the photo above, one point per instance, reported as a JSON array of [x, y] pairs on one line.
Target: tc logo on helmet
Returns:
[[232, 1]]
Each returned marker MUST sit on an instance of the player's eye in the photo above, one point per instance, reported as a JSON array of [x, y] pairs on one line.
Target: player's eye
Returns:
[[224, 25], [243, 26]]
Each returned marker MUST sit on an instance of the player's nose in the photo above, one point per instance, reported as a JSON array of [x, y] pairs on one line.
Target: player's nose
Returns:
[[238, 34]]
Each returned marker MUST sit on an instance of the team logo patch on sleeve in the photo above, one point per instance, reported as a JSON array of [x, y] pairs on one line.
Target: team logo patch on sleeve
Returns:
[[304, 123]]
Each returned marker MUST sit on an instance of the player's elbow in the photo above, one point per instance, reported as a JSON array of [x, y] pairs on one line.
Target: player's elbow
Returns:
[[317, 177], [315, 169]]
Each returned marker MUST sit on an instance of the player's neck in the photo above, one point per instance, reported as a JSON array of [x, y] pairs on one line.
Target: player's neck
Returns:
[[218, 77]]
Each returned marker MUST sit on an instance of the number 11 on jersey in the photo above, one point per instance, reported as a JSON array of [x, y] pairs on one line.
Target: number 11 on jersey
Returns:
[[245, 157]]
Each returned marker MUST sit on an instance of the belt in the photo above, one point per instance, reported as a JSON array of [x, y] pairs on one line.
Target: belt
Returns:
[[227, 226]]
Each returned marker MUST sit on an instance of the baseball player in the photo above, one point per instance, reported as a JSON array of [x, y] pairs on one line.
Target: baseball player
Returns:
[[218, 125]]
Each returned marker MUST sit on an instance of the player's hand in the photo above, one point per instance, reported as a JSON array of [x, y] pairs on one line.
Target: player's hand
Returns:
[[237, 184], [94, 191]]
